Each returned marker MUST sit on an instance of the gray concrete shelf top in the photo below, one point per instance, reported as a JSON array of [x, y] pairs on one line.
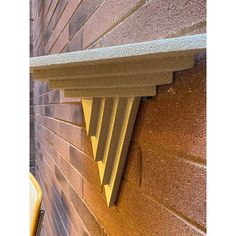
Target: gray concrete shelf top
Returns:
[[185, 44], [110, 82]]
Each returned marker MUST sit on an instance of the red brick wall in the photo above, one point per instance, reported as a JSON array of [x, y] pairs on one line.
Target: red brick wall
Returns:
[[32, 140], [163, 188]]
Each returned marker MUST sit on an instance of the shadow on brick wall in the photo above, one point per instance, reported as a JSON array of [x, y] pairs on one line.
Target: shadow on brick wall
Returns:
[[59, 214]]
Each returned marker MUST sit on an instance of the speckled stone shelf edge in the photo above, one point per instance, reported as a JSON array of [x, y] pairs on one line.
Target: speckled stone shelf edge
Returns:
[[110, 82]]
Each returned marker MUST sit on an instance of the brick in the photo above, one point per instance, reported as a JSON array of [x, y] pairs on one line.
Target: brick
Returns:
[[46, 229], [59, 9], [32, 136], [43, 231], [31, 9], [31, 102], [31, 85], [73, 176], [81, 15], [31, 127], [47, 34], [85, 165], [50, 205], [43, 88], [39, 43], [32, 163], [63, 213], [38, 32], [64, 50], [54, 96], [52, 124], [62, 21], [31, 110], [68, 112], [177, 183], [37, 100], [63, 222], [154, 219], [56, 218], [39, 110], [38, 27], [47, 6], [201, 30], [156, 20], [88, 219], [133, 166], [64, 204], [45, 99], [77, 136], [68, 208], [32, 156], [41, 51], [97, 44], [50, 13], [175, 122], [60, 145], [49, 111], [76, 44], [107, 16], [57, 142], [110, 218], [35, 90], [52, 227], [45, 157], [61, 41], [49, 148], [61, 180], [38, 7], [85, 233], [71, 211], [188, 81]]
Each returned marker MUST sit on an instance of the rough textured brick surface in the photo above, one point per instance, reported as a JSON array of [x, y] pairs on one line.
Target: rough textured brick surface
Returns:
[[73, 176], [158, 19], [77, 136], [85, 165], [66, 211], [177, 183], [114, 223], [62, 22], [61, 41], [89, 220], [175, 119], [69, 112], [133, 167], [153, 218], [57, 14], [54, 96], [76, 44], [82, 14], [108, 15]]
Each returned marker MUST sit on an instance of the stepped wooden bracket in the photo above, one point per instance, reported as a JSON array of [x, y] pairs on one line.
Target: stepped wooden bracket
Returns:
[[110, 81]]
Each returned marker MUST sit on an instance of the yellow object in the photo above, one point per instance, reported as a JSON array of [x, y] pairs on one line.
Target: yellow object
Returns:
[[35, 204]]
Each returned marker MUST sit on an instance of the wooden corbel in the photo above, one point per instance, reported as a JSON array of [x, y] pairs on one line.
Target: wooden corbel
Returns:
[[110, 82]]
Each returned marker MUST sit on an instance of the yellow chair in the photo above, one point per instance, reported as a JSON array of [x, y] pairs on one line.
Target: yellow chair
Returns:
[[36, 214]]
